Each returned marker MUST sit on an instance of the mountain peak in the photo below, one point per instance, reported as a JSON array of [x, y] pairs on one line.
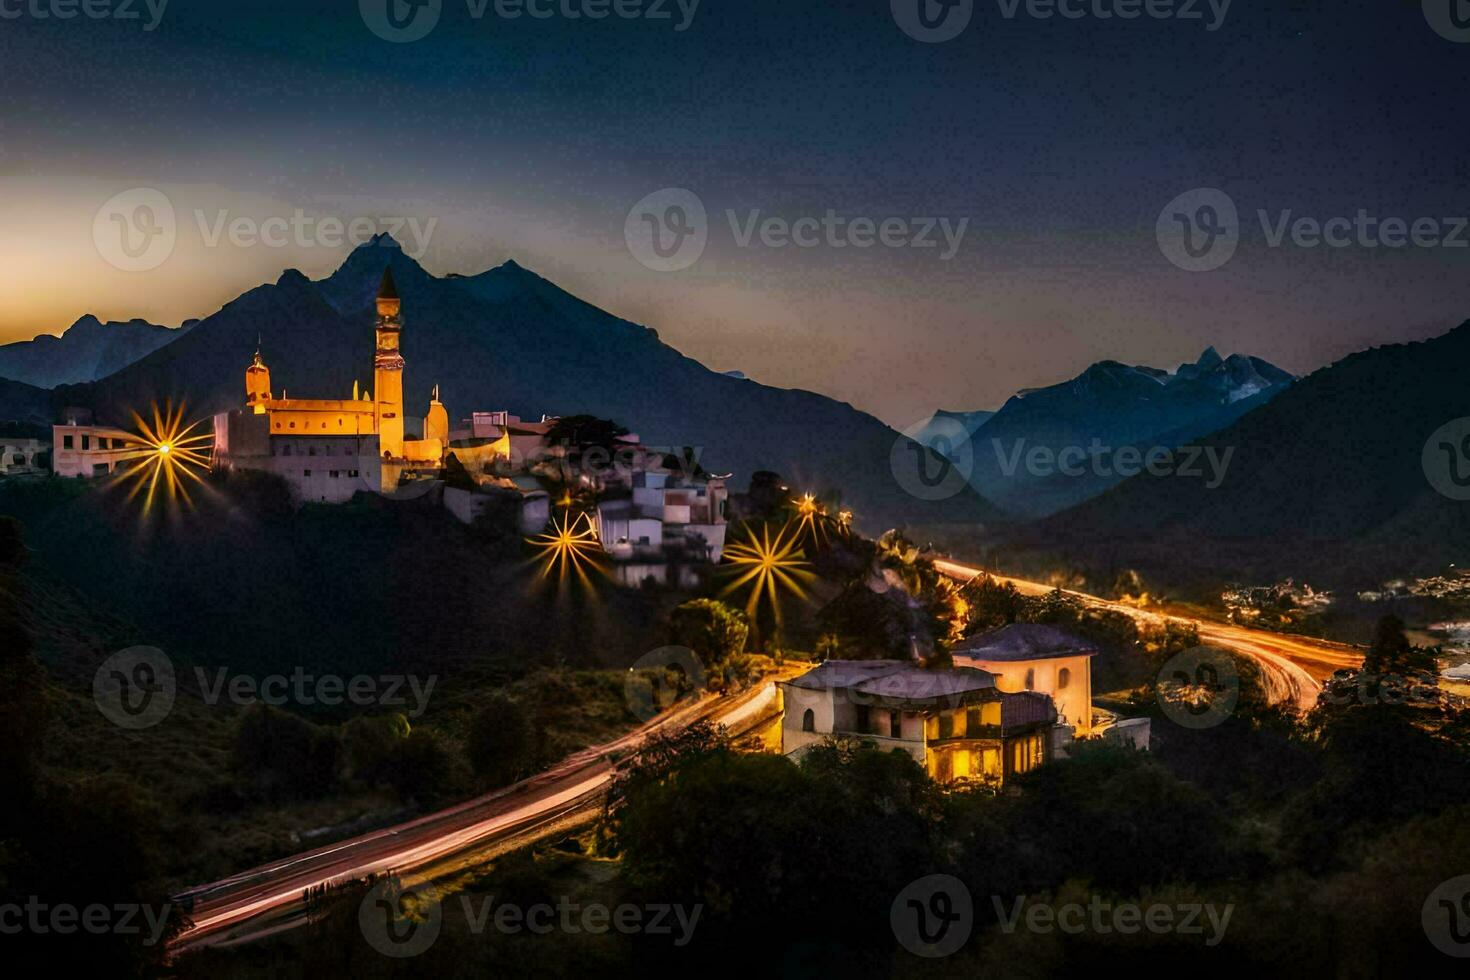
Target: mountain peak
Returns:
[[1209, 360]]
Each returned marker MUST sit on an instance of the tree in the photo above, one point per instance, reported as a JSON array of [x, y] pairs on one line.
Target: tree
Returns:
[[1392, 653], [501, 743], [583, 432], [281, 749], [710, 628], [992, 604], [424, 770], [368, 744]]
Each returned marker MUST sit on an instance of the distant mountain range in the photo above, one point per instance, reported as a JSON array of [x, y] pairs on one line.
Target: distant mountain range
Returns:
[[89, 350], [1331, 479], [1106, 408], [509, 339]]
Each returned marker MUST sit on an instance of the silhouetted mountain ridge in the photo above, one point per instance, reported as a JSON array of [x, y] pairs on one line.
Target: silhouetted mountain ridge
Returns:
[[507, 338], [1109, 406], [1328, 478], [88, 350]]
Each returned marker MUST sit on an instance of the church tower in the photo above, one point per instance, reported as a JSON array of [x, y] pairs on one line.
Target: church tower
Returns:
[[388, 370], [436, 423], [257, 384]]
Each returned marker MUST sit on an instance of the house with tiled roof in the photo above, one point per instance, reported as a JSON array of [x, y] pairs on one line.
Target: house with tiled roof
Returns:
[[957, 723]]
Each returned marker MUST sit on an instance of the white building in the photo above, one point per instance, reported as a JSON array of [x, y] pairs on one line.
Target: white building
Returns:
[[82, 449], [18, 456], [665, 517], [956, 723]]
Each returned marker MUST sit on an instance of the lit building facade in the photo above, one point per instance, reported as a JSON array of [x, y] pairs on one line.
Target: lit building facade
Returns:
[[329, 449], [956, 723], [82, 449]]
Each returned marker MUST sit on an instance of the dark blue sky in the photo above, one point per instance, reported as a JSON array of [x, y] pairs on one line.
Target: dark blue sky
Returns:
[[1059, 140]]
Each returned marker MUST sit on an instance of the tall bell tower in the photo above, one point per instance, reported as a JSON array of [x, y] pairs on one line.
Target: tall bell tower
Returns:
[[388, 370]]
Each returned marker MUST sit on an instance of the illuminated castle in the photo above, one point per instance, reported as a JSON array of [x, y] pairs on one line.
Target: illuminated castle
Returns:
[[328, 449]]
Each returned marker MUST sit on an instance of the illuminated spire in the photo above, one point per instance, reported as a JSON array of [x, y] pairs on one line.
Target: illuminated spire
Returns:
[[388, 289]]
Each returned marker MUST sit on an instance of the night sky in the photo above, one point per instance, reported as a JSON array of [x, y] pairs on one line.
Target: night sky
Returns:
[[1059, 140]]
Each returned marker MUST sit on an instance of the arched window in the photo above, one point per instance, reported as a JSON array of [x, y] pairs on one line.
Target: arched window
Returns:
[[1030, 678], [1064, 677], [809, 721]]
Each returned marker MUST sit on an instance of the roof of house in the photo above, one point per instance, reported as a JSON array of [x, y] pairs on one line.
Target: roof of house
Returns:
[[1022, 641], [846, 673], [896, 680]]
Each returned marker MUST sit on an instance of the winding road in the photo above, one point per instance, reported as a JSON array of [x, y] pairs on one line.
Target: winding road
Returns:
[[270, 898], [1292, 667]]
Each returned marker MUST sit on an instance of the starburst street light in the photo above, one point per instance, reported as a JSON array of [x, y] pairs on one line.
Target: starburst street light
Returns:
[[165, 455], [813, 515], [770, 566], [570, 547]]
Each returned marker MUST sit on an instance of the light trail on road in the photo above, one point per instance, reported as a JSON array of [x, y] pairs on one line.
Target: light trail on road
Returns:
[[1291, 666], [259, 902]]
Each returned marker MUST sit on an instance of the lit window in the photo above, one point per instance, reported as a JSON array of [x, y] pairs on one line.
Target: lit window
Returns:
[[1030, 678]]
